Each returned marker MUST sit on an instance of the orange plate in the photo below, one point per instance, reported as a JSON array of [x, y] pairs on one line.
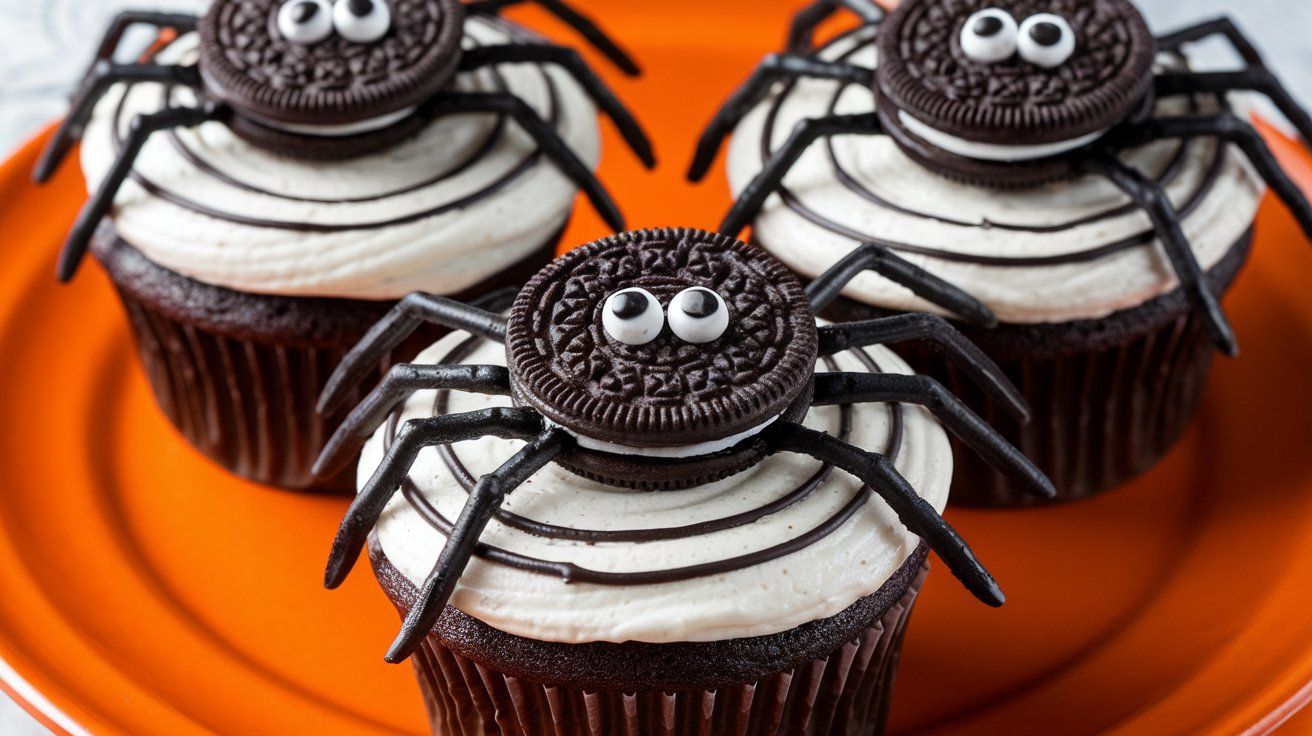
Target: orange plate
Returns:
[[143, 591]]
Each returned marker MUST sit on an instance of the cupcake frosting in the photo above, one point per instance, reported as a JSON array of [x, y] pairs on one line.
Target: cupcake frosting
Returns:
[[784, 543], [440, 212], [1066, 251]]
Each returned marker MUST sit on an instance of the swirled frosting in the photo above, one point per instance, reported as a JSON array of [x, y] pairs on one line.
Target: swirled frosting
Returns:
[[853, 542], [1067, 251], [440, 212]]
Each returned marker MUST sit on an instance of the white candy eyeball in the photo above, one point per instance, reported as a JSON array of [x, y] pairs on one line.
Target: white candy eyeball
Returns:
[[305, 21], [698, 315], [989, 36], [1046, 40], [632, 316], [362, 21]]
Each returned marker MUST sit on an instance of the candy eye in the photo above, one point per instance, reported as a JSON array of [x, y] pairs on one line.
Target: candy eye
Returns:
[[632, 316], [698, 315], [1046, 40], [305, 21], [989, 36], [362, 21]]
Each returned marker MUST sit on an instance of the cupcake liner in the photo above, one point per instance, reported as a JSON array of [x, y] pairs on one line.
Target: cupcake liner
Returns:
[[846, 692], [239, 374], [1108, 398]]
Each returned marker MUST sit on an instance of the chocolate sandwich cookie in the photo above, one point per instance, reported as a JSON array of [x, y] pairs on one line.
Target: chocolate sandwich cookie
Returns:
[[963, 77], [591, 347]]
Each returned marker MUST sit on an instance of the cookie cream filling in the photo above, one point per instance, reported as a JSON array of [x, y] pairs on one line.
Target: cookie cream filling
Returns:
[[990, 151], [758, 594], [695, 450], [338, 131], [440, 212], [1071, 250]]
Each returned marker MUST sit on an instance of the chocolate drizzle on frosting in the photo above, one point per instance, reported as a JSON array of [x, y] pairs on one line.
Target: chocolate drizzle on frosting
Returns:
[[864, 40], [575, 574]]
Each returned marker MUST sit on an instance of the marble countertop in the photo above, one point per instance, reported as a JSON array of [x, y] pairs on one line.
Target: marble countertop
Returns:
[[45, 45]]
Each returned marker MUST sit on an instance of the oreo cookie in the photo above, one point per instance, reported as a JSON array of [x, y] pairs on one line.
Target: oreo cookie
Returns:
[[661, 339], [341, 68], [995, 91]]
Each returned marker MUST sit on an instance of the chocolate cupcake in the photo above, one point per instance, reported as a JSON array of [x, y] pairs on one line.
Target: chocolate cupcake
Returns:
[[674, 502], [269, 184], [1053, 159]]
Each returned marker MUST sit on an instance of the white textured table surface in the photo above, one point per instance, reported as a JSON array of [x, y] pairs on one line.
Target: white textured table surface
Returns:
[[44, 46]]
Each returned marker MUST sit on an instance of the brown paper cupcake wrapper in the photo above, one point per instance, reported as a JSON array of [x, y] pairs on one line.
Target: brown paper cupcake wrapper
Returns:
[[846, 692], [1108, 398]]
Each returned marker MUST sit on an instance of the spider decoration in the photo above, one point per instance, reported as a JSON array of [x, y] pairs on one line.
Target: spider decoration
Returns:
[[1019, 93], [660, 360], [333, 79]]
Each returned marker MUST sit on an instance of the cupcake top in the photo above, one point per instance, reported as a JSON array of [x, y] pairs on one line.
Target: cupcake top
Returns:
[[1070, 250], [439, 212], [786, 542]]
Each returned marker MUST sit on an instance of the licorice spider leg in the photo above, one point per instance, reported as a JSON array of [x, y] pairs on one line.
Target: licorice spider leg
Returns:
[[582, 24], [801, 32]]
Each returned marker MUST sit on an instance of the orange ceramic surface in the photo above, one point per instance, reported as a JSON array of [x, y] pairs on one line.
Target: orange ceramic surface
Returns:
[[144, 591]]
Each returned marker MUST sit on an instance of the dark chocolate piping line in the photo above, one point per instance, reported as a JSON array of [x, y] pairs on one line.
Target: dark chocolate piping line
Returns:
[[794, 203], [553, 119], [574, 573]]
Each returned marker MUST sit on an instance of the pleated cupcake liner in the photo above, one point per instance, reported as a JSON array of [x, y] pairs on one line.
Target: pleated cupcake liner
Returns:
[[846, 692]]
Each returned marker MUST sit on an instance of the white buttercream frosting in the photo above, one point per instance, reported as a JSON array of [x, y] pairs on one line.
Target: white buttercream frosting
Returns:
[[342, 255], [817, 582], [926, 210]]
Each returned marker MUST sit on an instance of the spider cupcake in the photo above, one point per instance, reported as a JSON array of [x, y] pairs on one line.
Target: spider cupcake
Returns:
[[668, 491], [269, 184], [1052, 158]]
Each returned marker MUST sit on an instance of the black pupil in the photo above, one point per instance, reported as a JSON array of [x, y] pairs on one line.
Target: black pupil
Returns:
[[304, 12], [629, 305], [360, 8], [700, 304], [1046, 34], [989, 25]]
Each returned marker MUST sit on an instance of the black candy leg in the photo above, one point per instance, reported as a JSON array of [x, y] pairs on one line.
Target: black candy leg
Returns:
[[854, 388], [484, 500], [883, 261], [394, 328], [415, 435], [582, 24], [181, 22], [801, 33], [398, 385], [143, 127], [934, 331], [773, 68], [912, 510], [806, 133], [549, 142], [569, 60], [1166, 221], [102, 76], [1253, 79]]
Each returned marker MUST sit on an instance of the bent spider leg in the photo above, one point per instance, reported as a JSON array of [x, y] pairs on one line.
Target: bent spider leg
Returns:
[[801, 33], [180, 22], [398, 324], [102, 76], [773, 68], [807, 132], [549, 142], [582, 25], [914, 512], [415, 435], [1230, 128], [974, 432], [936, 332], [142, 128], [1166, 222], [484, 501], [398, 385], [883, 261], [569, 60], [1254, 79]]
